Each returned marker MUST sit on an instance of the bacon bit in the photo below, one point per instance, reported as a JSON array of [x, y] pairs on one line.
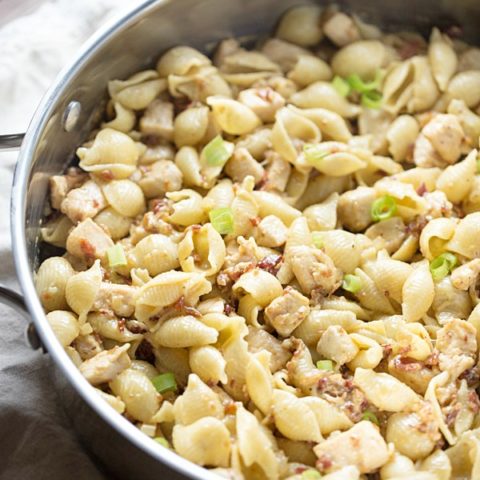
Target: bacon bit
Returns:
[[87, 248], [409, 49], [300, 469], [452, 415], [230, 409], [228, 309], [472, 376], [195, 228], [135, 326], [160, 205], [473, 402], [106, 175], [121, 324], [255, 221], [270, 263], [407, 364], [457, 210], [324, 462], [180, 306], [387, 350], [416, 226], [454, 31], [144, 352], [180, 104], [422, 189], [432, 360]]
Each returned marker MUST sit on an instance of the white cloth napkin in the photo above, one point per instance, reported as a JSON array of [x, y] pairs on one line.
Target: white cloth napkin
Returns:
[[36, 438]]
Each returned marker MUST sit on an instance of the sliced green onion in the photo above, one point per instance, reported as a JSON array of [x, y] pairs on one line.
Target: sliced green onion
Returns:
[[371, 417], [325, 365], [311, 475], [372, 99], [317, 239], [314, 153], [357, 84], [383, 208], [217, 151], [116, 256], [341, 86], [222, 220], [162, 441], [165, 382], [351, 283], [442, 265]]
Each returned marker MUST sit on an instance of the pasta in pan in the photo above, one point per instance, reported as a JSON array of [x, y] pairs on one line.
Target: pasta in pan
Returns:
[[271, 258]]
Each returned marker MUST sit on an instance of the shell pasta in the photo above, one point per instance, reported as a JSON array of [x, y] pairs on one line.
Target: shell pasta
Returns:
[[271, 256]]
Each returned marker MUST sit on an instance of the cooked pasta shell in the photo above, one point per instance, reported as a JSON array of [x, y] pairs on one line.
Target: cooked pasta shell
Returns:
[[109, 327], [138, 393], [457, 180], [298, 234], [233, 117], [309, 69], [254, 444], [156, 253], [82, 288], [197, 401], [435, 236], [174, 360], [324, 95], [188, 207], [343, 248], [398, 86], [208, 363], [469, 121], [364, 58], [263, 286], [417, 293], [220, 196], [339, 161], [181, 60], [425, 91], [259, 381], [124, 120], [190, 126], [65, 326], [112, 151], [188, 161], [50, 282], [442, 58], [56, 231], [401, 136], [271, 204], [125, 197], [370, 296], [301, 26], [185, 331], [293, 418], [290, 126], [329, 417], [323, 216], [464, 86], [467, 229], [244, 208], [115, 224]]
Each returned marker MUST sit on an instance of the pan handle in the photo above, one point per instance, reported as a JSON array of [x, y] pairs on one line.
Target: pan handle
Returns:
[[15, 300], [11, 142]]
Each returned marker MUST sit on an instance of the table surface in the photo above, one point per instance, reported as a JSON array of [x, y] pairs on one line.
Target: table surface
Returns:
[[36, 438]]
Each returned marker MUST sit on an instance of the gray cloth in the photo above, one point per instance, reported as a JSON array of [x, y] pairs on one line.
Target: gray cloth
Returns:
[[36, 438]]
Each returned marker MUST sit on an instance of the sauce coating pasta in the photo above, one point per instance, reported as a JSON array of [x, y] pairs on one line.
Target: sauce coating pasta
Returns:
[[272, 255]]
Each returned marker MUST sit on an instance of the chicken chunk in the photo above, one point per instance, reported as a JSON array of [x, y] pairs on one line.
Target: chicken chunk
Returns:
[[446, 136], [106, 365], [265, 102], [158, 120], [271, 232], [341, 29], [287, 312], [87, 346], [301, 371], [88, 241], [354, 208], [161, 177], [259, 340], [335, 344], [116, 298], [362, 446], [388, 234], [83, 202], [58, 190], [242, 164], [277, 172], [465, 276], [314, 270], [437, 204]]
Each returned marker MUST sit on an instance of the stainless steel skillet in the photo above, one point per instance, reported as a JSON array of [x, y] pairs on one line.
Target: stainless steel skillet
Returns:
[[71, 109]]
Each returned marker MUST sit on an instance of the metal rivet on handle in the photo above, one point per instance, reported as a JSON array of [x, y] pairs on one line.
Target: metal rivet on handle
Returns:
[[71, 115], [32, 337]]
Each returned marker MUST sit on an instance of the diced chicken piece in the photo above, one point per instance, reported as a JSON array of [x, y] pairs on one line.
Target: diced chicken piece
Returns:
[[362, 446], [106, 365], [287, 312], [314, 270], [258, 340], [58, 190], [263, 101], [158, 120], [457, 337], [225, 48], [87, 346], [335, 344], [415, 374], [424, 155], [116, 298], [84, 202], [341, 29], [88, 241], [115, 402], [278, 172], [446, 136], [242, 164], [284, 86], [465, 276], [161, 177], [437, 204], [388, 234], [158, 152], [257, 143], [354, 208], [283, 53], [450, 302], [271, 232]]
